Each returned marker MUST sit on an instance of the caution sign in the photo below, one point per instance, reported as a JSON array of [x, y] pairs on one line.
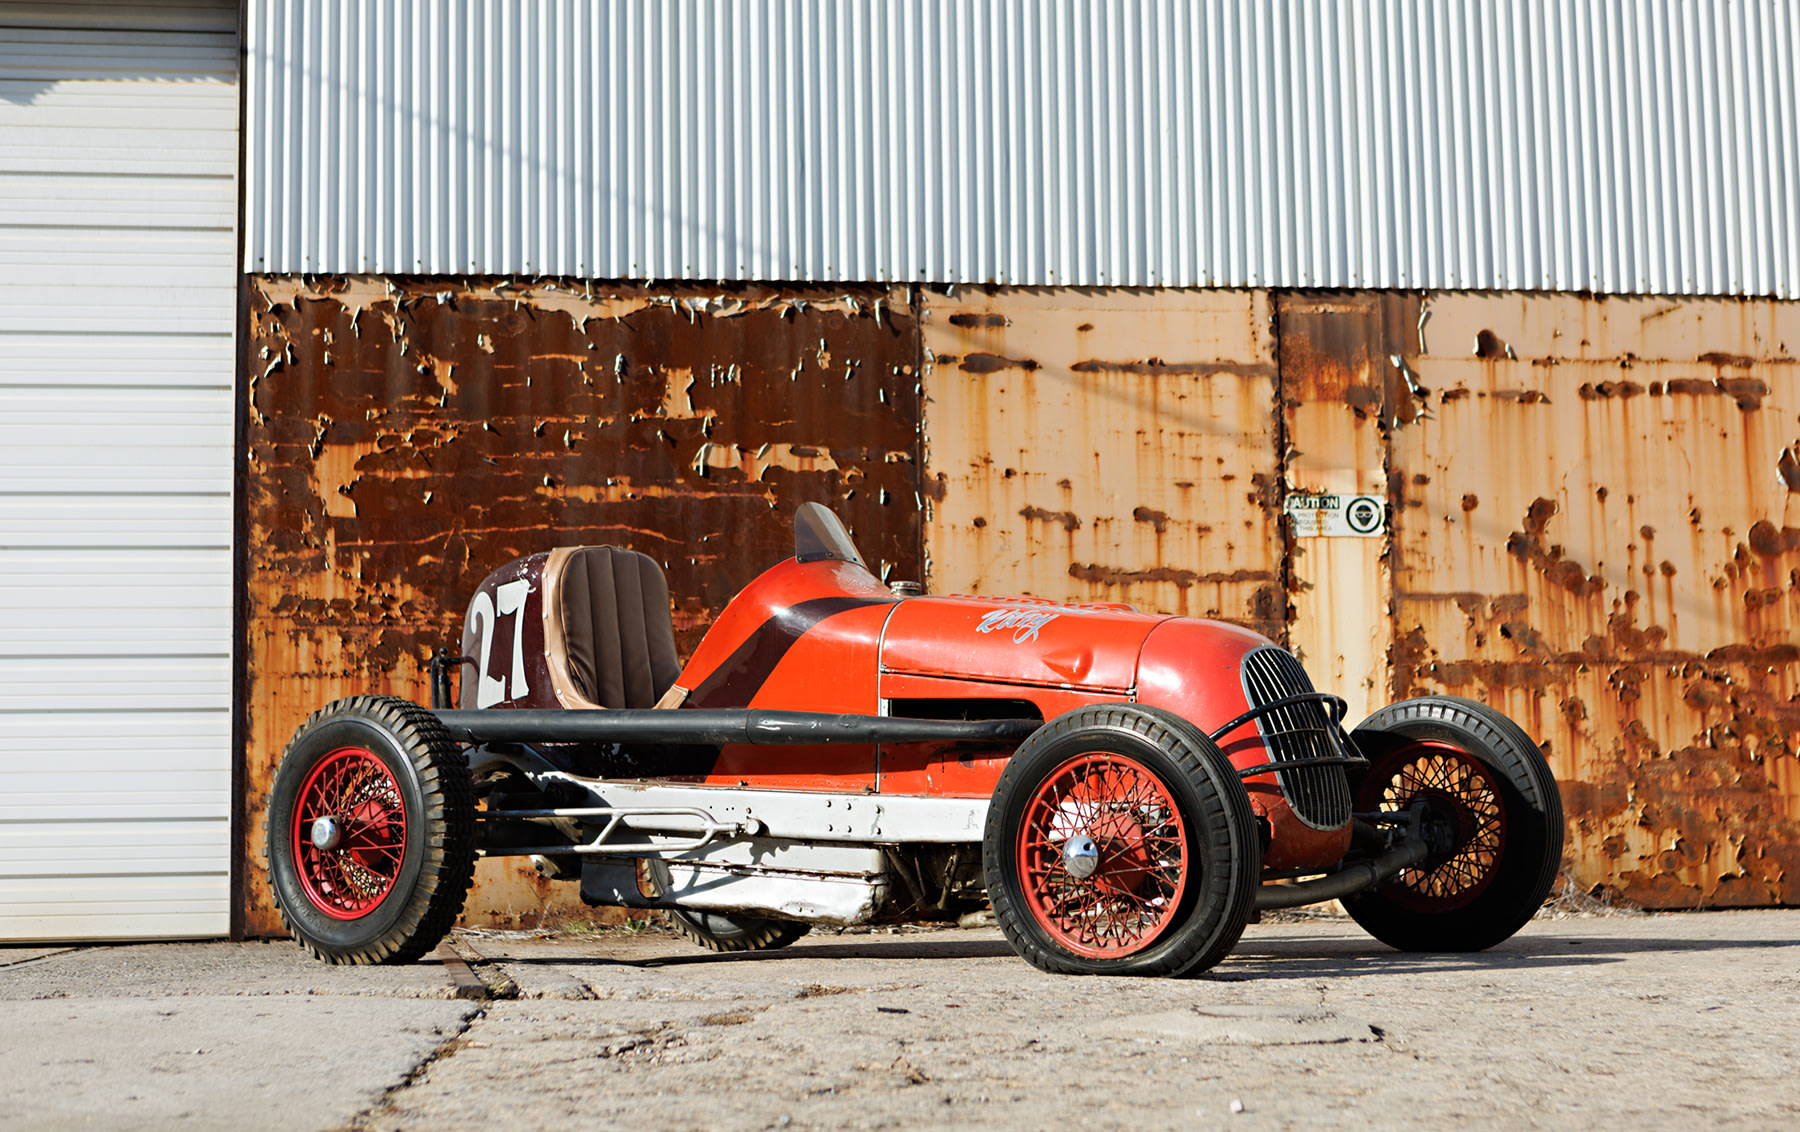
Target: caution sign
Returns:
[[1336, 516]]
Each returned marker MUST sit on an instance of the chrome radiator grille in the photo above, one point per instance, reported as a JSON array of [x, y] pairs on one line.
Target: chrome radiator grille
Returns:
[[1318, 795]]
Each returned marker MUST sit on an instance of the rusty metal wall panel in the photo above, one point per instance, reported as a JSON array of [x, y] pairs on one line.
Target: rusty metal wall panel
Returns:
[[408, 436], [1114, 445], [1599, 532], [1648, 147], [1338, 382]]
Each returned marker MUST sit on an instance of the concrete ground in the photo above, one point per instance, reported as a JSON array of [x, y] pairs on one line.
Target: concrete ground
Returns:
[[1667, 1021]]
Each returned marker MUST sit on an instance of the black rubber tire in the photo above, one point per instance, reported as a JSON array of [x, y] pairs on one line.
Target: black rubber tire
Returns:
[[438, 860], [1224, 849], [1530, 854], [736, 933]]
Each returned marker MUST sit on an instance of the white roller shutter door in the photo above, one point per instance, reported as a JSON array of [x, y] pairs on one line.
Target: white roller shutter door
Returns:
[[118, 206]]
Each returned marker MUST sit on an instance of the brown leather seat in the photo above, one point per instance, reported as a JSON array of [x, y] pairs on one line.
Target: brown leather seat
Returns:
[[617, 640]]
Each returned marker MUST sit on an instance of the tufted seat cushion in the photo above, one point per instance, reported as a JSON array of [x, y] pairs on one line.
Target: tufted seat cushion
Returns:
[[609, 630]]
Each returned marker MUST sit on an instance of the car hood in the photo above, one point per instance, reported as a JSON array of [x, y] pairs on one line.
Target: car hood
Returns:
[[1017, 640]]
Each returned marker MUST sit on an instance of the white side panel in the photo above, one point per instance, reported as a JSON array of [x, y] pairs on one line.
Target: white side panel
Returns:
[[1613, 146], [118, 204]]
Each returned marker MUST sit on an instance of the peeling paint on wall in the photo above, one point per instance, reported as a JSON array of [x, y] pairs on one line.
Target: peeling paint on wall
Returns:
[[1112, 446], [408, 436], [1346, 383]]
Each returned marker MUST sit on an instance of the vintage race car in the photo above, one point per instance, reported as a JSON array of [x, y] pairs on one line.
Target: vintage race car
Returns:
[[1126, 790]]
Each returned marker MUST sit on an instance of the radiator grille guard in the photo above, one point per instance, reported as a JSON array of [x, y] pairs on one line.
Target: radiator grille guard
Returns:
[[1300, 732]]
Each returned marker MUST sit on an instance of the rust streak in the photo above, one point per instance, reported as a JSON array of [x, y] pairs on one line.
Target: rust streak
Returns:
[[994, 363], [1151, 367]]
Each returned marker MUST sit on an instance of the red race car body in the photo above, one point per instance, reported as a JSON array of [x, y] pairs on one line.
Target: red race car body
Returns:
[[1124, 789]]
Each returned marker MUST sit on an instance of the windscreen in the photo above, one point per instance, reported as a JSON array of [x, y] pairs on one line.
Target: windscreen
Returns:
[[818, 534]]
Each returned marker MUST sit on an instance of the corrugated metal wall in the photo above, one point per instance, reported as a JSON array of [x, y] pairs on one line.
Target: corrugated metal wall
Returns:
[[1555, 145], [118, 304]]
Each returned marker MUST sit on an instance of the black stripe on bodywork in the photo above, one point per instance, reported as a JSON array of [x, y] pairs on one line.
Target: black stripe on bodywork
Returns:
[[736, 681]]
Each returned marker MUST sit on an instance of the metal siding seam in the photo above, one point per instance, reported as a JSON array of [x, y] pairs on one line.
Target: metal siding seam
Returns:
[[1650, 155], [1489, 183], [1708, 204], [1257, 236], [1603, 151], [1372, 153], [260, 192], [1629, 145], [1077, 124], [1130, 113], [559, 257], [1587, 215], [1678, 234], [1194, 177], [306, 212], [659, 170], [1336, 231], [1556, 276], [1285, 227], [1022, 188], [1060, 134], [1760, 277], [963, 218], [1747, 261], [1445, 234], [1304, 93], [1789, 101], [1222, 183], [1786, 47], [1345, 132], [855, 130], [1730, 60], [1503, 119], [785, 191], [1413, 72]]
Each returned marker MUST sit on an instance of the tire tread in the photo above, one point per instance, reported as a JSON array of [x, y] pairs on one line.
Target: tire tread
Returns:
[[448, 867], [1522, 765], [1163, 730], [767, 935]]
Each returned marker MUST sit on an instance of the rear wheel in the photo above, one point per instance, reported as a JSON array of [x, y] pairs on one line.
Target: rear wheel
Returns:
[[1120, 842], [371, 832], [736, 933], [1486, 788]]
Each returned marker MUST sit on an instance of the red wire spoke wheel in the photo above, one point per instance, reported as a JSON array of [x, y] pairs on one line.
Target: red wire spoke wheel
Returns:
[[1140, 845], [1120, 841], [349, 833], [1489, 803], [371, 831]]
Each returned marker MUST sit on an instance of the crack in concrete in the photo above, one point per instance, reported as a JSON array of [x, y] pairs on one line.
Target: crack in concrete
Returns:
[[384, 1105], [37, 959]]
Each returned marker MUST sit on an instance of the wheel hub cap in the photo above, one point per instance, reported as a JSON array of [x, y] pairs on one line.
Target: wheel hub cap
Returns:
[[326, 834], [1081, 857], [1464, 822], [1102, 856], [348, 830]]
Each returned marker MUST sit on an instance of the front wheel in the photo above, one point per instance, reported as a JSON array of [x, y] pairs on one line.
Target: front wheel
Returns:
[[1486, 788], [1120, 842], [371, 832]]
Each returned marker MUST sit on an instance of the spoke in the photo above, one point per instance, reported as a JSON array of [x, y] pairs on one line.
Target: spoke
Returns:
[[1128, 811], [355, 789]]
